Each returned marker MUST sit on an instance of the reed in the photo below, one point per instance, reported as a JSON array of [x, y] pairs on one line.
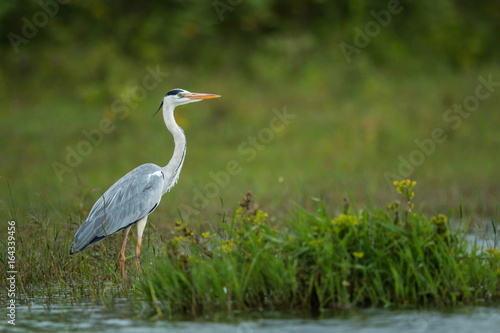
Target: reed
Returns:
[[388, 257]]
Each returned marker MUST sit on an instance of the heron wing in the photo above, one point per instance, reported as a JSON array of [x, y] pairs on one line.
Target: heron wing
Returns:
[[128, 200]]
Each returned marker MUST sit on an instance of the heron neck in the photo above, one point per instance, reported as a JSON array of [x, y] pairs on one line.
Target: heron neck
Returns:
[[173, 168]]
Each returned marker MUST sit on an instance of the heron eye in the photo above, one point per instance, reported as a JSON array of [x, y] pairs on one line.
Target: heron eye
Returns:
[[180, 95]]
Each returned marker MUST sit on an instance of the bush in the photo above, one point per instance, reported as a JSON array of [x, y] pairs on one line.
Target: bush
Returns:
[[365, 258]]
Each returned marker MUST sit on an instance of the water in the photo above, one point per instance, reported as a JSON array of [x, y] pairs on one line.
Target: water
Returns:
[[85, 317]]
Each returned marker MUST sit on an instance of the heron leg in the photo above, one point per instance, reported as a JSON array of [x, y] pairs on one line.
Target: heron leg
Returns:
[[140, 230], [121, 259]]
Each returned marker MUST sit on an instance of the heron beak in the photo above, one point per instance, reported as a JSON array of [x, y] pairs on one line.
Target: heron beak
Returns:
[[196, 96]]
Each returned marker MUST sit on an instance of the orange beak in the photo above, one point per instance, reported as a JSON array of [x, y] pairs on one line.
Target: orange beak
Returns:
[[196, 96]]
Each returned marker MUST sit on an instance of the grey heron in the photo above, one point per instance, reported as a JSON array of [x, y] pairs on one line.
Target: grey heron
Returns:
[[133, 197]]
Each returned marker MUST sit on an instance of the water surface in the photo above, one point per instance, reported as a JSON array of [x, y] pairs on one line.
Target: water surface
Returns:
[[85, 317]]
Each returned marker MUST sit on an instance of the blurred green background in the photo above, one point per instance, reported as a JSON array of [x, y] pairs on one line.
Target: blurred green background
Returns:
[[363, 80]]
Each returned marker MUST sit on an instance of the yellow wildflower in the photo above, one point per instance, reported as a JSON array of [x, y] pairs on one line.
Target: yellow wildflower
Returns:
[[491, 251], [207, 235], [358, 254], [227, 246]]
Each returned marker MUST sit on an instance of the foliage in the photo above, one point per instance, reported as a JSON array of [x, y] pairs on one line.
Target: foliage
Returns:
[[45, 269], [261, 56], [365, 258], [312, 262], [170, 28]]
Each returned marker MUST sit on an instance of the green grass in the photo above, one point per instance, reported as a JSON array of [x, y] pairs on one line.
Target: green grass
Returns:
[[366, 258], [312, 261], [352, 124]]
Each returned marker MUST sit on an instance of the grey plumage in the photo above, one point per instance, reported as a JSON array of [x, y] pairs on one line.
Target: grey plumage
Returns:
[[137, 194], [131, 198]]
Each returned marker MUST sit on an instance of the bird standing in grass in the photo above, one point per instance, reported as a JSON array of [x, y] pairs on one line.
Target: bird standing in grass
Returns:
[[133, 197]]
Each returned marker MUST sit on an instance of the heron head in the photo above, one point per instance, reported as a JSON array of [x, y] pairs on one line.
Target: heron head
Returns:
[[177, 97]]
